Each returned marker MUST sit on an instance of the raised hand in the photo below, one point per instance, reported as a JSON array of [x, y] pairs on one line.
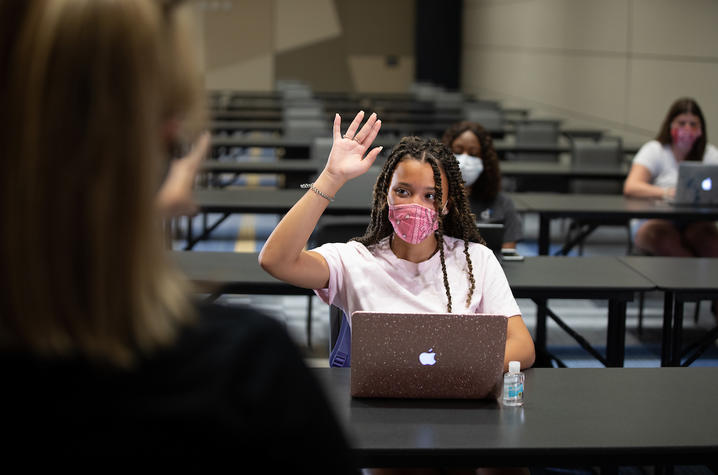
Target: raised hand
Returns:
[[175, 195], [347, 158]]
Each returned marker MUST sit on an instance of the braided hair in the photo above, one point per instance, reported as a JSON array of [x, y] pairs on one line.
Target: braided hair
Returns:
[[458, 223]]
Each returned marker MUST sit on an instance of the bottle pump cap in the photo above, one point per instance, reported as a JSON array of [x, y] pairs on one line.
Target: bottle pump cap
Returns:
[[514, 366]]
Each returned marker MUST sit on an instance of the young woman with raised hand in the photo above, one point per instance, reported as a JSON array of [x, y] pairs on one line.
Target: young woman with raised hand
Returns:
[[421, 251]]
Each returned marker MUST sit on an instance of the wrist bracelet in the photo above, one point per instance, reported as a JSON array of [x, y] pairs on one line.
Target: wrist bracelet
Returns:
[[317, 191]]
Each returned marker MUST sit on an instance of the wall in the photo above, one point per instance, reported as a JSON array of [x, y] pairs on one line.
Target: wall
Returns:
[[334, 45], [613, 64]]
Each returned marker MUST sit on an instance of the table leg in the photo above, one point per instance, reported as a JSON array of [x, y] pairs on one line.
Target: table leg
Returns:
[[190, 237], [542, 357], [677, 332], [544, 237], [666, 350], [616, 333]]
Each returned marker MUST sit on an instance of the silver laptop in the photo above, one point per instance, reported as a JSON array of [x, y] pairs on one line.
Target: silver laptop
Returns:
[[419, 355], [697, 184]]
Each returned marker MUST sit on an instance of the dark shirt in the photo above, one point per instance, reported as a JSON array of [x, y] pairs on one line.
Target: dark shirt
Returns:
[[499, 210], [233, 388]]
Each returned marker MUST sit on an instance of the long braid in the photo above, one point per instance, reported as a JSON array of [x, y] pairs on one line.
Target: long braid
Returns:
[[439, 233], [467, 225], [459, 223]]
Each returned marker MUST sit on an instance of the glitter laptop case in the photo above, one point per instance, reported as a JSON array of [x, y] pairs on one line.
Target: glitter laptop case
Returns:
[[428, 356]]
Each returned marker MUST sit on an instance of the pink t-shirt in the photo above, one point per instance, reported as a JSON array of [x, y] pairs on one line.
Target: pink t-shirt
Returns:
[[374, 279]]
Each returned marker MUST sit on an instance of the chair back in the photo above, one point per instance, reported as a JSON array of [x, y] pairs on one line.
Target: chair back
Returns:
[[603, 154], [338, 229], [320, 148], [306, 128], [493, 234], [536, 132], [488, 114]]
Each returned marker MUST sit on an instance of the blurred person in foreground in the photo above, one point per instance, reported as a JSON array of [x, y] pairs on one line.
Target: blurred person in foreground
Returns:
[[102, 349]]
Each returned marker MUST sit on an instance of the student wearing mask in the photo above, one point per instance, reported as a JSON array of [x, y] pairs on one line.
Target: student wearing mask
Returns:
[[421, 252], [479, 165], [654, 174]]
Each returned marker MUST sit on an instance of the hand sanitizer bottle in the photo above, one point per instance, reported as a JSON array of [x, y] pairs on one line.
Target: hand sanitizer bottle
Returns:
[[514, 385]]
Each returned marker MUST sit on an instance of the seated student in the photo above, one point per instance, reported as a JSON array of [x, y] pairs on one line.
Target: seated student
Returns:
[[420, 251], [103, 352], [654, 174], [479, 165]]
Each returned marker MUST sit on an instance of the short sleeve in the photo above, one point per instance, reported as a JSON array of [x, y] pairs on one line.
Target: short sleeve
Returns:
[[649, 156], [711, 154], [333, 253], [513, 229], [497, 298]]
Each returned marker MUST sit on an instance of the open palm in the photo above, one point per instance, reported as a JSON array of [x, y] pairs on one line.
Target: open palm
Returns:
[[347, 158]]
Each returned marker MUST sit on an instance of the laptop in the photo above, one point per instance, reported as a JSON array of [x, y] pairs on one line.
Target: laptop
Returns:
[[428, 356], [493, 234], [697, 184]]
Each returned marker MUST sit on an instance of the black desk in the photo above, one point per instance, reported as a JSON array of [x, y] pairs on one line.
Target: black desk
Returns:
[[353, 199], [295, 171], [519, 169], [384, 139], [221, 273], [294, 146], [605, 278], [537, 278], [572, 417], [228, 116], [267, 201], [598, 206], [682, 280], [524, 169], [280, 166]]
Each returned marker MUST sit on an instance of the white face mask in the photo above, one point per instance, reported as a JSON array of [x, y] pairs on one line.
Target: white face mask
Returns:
[[471, 167]]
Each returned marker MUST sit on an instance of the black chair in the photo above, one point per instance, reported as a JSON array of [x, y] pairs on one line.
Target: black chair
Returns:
[[536, 132], [493, 234]]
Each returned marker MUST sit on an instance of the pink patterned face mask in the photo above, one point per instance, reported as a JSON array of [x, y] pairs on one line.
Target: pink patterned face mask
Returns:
[[412, 222], [684, 137]]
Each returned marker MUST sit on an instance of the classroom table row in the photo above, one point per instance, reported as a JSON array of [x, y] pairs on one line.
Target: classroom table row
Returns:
[[583, 418], [400, 125], [304, 170], [612, 279], [355, 199], [301, 145]]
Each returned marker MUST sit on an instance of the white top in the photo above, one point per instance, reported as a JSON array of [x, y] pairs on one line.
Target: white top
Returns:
[[374, 279], [662, 164]]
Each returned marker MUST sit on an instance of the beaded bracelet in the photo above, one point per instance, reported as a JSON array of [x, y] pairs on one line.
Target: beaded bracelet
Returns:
[[317, 191]]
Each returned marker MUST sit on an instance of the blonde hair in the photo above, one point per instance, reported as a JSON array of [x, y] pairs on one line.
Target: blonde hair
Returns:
[[86, 89]]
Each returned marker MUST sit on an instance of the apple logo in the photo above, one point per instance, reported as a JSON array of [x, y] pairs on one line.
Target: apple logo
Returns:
[[707, 184], [427, 357]]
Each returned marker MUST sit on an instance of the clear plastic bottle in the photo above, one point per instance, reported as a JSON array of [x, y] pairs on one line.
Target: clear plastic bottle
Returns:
[[514, 385]]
